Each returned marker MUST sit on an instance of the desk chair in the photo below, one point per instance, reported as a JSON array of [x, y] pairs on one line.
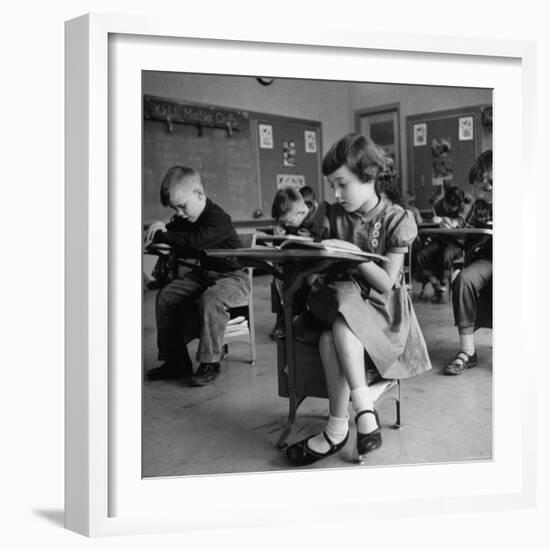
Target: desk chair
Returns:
[[235, 332], [244, 331]]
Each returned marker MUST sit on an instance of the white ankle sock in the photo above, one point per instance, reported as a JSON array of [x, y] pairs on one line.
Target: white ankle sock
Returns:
[[336, 430], [467, 343]]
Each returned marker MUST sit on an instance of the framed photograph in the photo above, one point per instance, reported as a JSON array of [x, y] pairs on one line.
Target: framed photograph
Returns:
[[420, 134], [466, 128], [311, 141], [266, 136], [108, 59]]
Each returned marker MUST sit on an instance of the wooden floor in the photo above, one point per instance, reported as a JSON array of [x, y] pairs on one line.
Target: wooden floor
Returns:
[[232, 425]]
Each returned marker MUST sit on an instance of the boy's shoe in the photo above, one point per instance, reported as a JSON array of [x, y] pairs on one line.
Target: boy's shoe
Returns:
[[168, 371], [461, 362], [439, 293], [206, 373], [278, 331]]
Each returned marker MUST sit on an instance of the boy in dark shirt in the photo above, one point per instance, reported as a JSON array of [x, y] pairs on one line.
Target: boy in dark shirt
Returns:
[[294, 215], [217, 284]]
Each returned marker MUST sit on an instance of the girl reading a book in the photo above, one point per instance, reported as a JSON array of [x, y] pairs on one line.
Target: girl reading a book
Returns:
[[368, 331]]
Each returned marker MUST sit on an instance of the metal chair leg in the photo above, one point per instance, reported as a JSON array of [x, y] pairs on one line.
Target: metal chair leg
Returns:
[[398, 425]]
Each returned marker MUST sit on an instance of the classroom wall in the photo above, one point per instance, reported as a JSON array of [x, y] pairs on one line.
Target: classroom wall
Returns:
[[414, 100], [328, 103], [331, 103]]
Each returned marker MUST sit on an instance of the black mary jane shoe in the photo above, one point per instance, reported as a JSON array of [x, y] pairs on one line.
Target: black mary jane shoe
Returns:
[[300, 454], [367, 442]]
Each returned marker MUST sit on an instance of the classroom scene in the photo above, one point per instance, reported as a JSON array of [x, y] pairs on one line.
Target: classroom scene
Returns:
[[317, 274]]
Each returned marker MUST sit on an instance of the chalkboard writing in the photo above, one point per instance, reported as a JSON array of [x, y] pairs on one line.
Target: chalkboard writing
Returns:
[[227, 164], [170, 111]]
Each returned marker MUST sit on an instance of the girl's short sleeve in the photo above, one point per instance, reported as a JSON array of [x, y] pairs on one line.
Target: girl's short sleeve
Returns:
[[401, 231]]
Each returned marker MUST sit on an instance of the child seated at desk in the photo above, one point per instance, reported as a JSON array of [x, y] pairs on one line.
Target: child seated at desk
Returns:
[[477, 274], [364, 316], [436, 258], [294, 215], [217, 284]]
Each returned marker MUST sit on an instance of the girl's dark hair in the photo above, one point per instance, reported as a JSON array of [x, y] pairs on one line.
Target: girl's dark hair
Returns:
[[454, 197], [284, 200], [362, 156], [388, 187], [482, 165], [173, 176]]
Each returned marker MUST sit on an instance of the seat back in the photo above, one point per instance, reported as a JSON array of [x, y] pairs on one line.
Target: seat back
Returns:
[[248, 335]]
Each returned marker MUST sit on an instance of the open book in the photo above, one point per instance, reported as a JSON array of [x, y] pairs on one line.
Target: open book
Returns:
[[300, 244], [283, 238]]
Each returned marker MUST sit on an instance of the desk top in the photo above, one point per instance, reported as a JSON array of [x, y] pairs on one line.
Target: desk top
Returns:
[[464, 232], [286, 255]]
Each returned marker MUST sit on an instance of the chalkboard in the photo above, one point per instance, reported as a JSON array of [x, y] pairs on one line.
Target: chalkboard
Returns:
[[214, 141]]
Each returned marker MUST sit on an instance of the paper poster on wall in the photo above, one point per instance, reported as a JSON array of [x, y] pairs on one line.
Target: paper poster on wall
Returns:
[[310, 139], [420, 134], [266, 136], [442, 161], [289, 153], [290, 180], [466, 128]]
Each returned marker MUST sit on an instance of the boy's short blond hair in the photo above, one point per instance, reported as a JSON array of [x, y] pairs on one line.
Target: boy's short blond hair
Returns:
[[176, 176], [284, 201]]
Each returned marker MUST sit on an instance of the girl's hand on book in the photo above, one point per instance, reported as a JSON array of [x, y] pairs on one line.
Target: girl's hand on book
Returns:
[[344, 245]]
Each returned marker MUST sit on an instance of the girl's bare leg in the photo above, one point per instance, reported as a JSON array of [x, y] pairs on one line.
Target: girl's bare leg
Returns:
[[338, 393]]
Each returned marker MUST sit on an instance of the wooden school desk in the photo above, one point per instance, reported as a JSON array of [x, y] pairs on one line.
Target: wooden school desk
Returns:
[[292, 266], [456, 232]]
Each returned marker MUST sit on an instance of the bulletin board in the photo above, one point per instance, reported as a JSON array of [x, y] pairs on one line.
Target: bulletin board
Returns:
[[289, 153], [441, 147]]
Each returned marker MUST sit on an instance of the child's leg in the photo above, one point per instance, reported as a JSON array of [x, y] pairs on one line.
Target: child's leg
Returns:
[[171, 303], [227, 291], [451, 252], [351, 355], [338, 394], [425, 260], [466, 288], [278, 330]]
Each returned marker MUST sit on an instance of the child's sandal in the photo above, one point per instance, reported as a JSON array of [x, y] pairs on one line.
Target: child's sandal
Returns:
[[461, 362]]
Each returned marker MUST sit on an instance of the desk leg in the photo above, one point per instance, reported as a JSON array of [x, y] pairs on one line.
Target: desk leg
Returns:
[[293, 401], [293, 404]]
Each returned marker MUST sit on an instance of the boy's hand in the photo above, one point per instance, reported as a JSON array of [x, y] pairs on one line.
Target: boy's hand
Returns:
[[152, 229], [279, 230], [446, 223], [302, 232], [338, 243]]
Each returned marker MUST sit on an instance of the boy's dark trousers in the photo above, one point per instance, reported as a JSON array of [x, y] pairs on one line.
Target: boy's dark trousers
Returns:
[[196, 306], [466, 290]]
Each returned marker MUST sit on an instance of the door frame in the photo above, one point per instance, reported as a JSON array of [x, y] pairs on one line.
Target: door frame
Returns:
[[378, 110]]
